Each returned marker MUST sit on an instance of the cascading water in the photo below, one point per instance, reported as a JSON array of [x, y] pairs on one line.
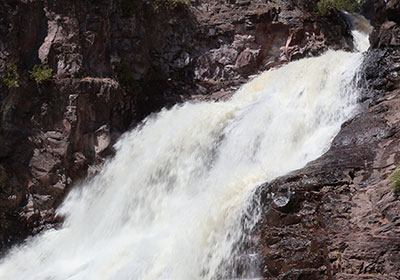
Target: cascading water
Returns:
[[168, 205]]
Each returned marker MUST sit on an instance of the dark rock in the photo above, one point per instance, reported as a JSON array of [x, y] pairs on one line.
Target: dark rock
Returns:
[[387, 36], [387, 20], [341, 219], [393, 11]]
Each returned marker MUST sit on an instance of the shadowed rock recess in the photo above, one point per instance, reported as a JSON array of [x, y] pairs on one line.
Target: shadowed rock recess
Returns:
[[117, 61]]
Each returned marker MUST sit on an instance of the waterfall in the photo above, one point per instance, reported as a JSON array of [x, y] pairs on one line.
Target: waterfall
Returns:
[[168, 205]]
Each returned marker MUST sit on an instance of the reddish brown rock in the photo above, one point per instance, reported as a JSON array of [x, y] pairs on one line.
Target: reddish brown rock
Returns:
[[388, 35], [387, 24], [393, 11]]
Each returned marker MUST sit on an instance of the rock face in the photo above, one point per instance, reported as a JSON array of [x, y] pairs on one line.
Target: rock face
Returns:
[[116, 61], [342, 218], [387, 30]]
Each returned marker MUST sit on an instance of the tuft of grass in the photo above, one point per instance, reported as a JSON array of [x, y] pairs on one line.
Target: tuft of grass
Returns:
[[10, 76], [394, 179], [326, 6], [41, 73]]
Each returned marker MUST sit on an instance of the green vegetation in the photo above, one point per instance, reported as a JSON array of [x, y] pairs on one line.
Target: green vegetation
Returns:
[[394, 179], [326, 6], [172, 4], [129, 6], [10, 76], [158, 5], [125, 75], [41, 73]]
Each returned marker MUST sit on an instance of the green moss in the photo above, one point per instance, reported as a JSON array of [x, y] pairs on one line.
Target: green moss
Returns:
[[129, 6], [10, 76], [326, 6], [172, 4], [41, 73], [394, 179]]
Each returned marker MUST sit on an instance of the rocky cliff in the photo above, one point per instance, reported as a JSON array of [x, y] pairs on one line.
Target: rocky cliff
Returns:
[[117, 61]]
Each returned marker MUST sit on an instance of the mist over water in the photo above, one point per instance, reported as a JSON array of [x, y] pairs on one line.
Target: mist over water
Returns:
[[168, 205]]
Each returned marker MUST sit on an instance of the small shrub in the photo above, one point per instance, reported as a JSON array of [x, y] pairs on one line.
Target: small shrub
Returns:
[[172, 4], [128, 7], [326, 6], [10, 77], [41, 73], [394, 179]]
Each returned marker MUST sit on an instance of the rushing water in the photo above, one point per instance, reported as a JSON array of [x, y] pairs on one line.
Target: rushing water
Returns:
[[168, 205]]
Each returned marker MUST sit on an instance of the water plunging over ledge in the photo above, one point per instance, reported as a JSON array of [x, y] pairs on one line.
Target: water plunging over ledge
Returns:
[[168, 205]]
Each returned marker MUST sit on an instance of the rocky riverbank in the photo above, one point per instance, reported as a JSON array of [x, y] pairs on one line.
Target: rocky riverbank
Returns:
[[342, 220]]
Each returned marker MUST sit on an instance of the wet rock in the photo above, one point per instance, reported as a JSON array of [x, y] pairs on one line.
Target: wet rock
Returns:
[[342, 218]]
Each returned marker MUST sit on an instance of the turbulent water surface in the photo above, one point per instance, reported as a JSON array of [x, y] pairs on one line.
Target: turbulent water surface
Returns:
[[168, 205]]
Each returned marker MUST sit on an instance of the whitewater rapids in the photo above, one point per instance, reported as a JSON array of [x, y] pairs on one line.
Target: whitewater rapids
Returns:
[[168, 205]]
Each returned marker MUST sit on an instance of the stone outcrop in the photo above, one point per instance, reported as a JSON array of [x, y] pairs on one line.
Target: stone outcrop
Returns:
[[387, 30]]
